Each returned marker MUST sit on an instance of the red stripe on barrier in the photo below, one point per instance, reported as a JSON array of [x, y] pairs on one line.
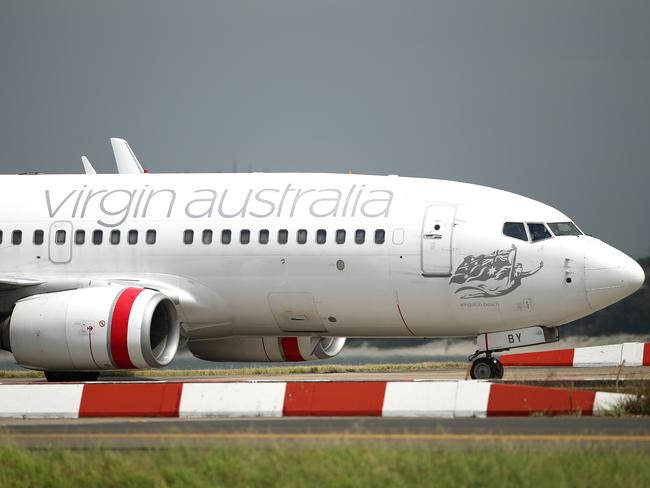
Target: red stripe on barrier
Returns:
[[515, 400], [144, 400], [290, 349], [646, 354], [362, 398], [561, 357], [120, 327]]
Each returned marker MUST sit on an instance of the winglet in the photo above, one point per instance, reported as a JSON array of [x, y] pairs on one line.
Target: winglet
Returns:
[[126, 161], [88, 168]]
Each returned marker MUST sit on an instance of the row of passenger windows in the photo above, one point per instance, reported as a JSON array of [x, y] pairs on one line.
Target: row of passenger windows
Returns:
[[132, 236], [97, 237], [540, 231], [282, 237]]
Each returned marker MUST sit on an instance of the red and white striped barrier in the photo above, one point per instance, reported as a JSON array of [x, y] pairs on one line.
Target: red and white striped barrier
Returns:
[[633, 353], [299, 398]]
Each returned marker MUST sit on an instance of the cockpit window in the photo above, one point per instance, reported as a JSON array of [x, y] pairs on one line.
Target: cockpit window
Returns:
[[538, 232], [516, 230], [564, 229]]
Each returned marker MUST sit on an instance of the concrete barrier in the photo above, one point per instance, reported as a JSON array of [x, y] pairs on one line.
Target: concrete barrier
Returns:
[[297, 398], [633, 353]]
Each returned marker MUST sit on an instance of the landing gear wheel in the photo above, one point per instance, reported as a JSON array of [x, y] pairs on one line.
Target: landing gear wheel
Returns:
[[486, 368], [64, 376], [499, 367]]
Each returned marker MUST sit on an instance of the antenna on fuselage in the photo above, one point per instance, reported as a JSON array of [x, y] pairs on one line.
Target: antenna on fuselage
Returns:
[[126, 161], [88, 168]]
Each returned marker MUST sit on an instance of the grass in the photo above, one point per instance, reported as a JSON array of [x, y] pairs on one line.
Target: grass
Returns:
[[263, 370], [638, 403], [345, 465]]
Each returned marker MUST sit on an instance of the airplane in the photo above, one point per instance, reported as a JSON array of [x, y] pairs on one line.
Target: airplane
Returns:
[[103, 272]]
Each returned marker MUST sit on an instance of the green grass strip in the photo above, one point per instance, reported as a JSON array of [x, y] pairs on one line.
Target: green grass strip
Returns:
[[346, 465]]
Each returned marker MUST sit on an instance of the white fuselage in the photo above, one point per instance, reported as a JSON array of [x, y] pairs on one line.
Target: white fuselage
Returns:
[[444, 267]]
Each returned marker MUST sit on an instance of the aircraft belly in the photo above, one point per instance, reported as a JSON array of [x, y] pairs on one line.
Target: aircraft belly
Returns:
[[307, 294]]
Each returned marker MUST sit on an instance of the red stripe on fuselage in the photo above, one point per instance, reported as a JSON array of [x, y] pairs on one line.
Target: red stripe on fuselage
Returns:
[[120, 328], [290, 349]]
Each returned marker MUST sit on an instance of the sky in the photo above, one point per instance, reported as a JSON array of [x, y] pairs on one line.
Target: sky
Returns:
[[549, 99]]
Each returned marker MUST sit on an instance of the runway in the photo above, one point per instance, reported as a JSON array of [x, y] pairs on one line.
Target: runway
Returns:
[[161, 433], [537, 375]]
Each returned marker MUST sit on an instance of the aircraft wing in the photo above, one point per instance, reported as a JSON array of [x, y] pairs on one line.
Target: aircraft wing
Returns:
[[8, 282]]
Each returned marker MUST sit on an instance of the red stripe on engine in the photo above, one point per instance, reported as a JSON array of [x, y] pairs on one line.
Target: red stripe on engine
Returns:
[[120, 328], [290, 349]]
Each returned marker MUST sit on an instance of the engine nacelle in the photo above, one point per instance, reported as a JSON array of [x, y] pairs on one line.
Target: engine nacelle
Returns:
[[92, 329], [267, 349]]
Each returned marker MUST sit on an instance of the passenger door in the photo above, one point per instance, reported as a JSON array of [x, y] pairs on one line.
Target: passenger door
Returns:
[[437, 235]]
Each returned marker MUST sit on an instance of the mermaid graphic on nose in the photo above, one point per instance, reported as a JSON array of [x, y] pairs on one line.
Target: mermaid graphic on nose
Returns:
[[491, 275]]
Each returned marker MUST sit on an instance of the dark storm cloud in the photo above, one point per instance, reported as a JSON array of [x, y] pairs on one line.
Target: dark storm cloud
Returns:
[[548, 99]]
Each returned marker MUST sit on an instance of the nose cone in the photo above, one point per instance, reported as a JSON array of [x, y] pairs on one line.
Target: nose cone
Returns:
[[610, 275]]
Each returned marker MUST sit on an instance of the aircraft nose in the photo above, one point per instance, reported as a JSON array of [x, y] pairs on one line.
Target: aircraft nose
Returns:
[[610, 275]]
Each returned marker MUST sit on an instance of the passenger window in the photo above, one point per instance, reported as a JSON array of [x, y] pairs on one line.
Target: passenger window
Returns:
[[188, 236], [115, 237], [0, 237], [98, 236], [264, 236], [321, 236], [538, 232], [380, 236], [39, 235], [59, 237], [226, 236], [80, 237], [360, 236], [340, 236], [515, 230], [132, 237], [283, 236], [565, 229], [151, 237], [207, 237], [301, 236], [245, 236], [17, 237]]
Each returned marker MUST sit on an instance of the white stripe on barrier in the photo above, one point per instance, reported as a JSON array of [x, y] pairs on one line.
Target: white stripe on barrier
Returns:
[[472, 398], [632, 353], [588, 357], [40, 401], [232, 400], [607, 401], [407, 399]]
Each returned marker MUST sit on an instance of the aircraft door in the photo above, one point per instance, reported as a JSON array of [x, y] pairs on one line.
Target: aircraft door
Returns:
[[60, 242], [437, 234]]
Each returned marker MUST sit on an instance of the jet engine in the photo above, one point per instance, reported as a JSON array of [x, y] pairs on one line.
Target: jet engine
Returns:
[[263, 349], [93, 329]]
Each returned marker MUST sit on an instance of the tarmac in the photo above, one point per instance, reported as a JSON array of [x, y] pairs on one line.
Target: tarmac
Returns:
[[163, 433], [538, 375]]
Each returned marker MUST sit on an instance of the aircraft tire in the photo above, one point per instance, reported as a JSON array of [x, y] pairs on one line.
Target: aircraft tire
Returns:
[[486, 368]]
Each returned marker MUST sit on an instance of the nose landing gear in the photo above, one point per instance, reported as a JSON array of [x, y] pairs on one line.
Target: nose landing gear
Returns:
[[486, 368]]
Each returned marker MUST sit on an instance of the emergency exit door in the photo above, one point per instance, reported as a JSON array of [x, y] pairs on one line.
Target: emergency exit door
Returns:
[[437, 236], [60, 242]]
